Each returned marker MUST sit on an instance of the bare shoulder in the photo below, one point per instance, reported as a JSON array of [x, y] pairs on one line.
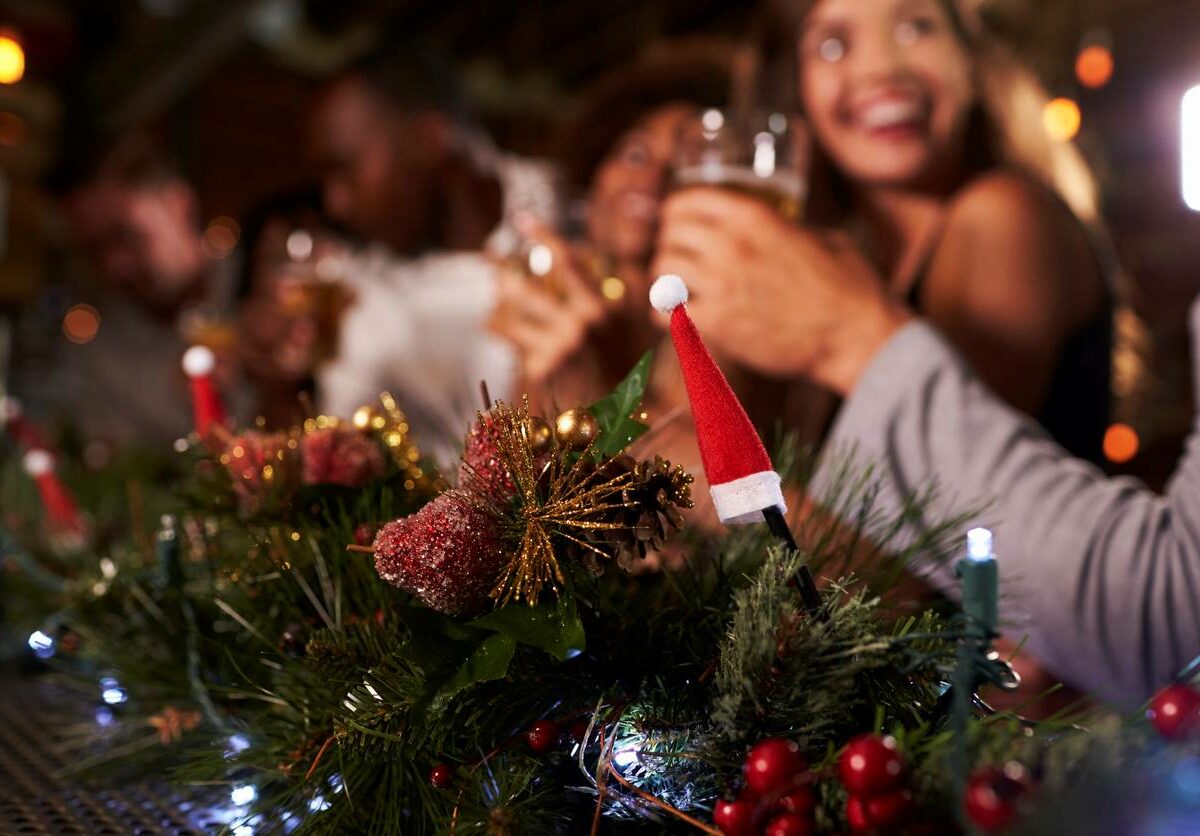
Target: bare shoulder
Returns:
[[1005, 208], [1007, 233]]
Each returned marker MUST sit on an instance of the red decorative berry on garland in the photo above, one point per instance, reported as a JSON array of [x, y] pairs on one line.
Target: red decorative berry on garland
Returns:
[[448, 554], [735, 818], [482, 469], [993, 794], [789, 824], [772, 766], [543, 736], [579, 730], [799, 800], [871, 765], [1175, 711], [441, 776]]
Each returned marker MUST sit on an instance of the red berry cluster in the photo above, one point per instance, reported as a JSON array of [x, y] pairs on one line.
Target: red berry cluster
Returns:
[[993, 795], [543, 737], [873, 772], [775, 800], [1175, 712]]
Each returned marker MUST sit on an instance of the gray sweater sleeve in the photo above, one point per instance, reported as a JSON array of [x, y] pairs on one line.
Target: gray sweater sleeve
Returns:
[[1101, 574]]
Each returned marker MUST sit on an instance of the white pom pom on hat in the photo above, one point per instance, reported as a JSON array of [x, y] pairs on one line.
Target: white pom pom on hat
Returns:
[[199, 361], [38, 463], [668, 292]]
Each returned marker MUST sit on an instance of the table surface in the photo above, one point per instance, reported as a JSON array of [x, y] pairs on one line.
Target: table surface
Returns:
[[38, 800]]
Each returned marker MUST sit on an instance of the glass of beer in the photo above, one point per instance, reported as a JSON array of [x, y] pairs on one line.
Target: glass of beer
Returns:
[[308, 285], [758, 153]]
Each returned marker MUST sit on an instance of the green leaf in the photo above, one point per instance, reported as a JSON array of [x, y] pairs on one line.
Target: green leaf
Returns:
[[614, 413], [554, 628], [488, 661]]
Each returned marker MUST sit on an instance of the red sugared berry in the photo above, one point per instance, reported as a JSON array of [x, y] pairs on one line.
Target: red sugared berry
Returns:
[[441, 776], [871, 765], [879, 813], [772, 766], [888, 810], [789, 824], [543, 736], [856, 814], [1175, 711], [993, 794], [798, 800], [735, 818]]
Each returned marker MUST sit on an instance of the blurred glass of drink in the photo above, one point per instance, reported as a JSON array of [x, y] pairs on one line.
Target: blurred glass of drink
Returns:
[[309, 286], [758, 153], [204, 325]]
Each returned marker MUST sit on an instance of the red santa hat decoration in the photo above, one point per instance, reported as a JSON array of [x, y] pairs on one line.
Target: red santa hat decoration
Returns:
[[199, 363], [14, 422], [740, 475], [744, 485], [62, 514]]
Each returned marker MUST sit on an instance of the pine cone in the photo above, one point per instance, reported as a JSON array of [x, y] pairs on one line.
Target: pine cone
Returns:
[[651, 499]]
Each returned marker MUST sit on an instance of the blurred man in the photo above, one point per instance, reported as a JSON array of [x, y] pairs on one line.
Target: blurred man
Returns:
[[134, 219], [402, 167]]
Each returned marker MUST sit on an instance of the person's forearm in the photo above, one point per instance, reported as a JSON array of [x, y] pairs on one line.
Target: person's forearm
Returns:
[[1103, 575]]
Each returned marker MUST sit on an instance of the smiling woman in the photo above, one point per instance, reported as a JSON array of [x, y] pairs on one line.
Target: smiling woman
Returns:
[[929, 157]]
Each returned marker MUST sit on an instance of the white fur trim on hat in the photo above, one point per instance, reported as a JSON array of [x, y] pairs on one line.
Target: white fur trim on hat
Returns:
[[742, 501], [668, 292]]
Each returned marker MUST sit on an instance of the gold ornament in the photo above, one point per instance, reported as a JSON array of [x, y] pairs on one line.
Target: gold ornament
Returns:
[[576, 429], [540, 434], [561, 498]]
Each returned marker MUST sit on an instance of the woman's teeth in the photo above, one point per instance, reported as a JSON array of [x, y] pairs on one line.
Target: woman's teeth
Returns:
[[889, 115]]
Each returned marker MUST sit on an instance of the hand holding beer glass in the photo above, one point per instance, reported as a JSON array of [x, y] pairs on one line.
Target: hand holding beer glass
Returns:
[[755, 153], [771, 294]]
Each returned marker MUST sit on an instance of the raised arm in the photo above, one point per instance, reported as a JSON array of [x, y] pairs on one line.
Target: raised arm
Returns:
[[1103, 574]]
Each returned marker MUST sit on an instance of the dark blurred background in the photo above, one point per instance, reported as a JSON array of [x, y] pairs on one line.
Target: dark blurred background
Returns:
[[224, 86]]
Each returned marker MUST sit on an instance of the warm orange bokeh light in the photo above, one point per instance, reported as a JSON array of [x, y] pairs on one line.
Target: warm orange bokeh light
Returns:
[[1062, 119], [221, 237], [1094, 66], [12, 60], [81, 324], [1121, 443]]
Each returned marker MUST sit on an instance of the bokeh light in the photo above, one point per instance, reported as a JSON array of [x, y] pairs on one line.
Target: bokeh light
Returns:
[[1062, 119], [1190, 149], [1094, 66], [12, 59], [1121, 443], [81, 324], [221, 237], [612, 288]]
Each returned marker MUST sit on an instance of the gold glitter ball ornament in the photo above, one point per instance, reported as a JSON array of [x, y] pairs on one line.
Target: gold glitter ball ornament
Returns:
[[540, 434], [576, 429]]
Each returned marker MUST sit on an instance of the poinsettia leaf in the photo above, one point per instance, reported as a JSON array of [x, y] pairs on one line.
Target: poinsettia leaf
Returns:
[[554, 628], [488, 661], [614, 412]]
